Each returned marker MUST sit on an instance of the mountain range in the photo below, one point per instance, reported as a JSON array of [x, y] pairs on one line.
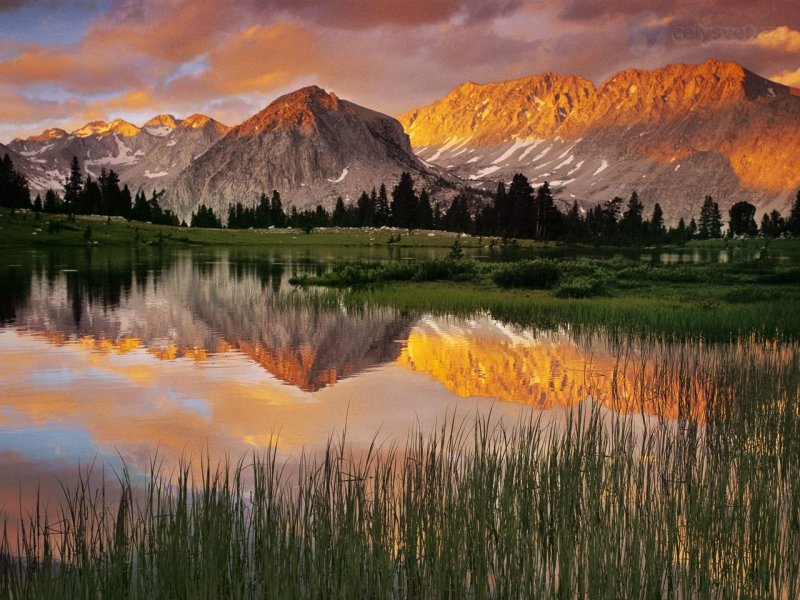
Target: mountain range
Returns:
[[674, 134]]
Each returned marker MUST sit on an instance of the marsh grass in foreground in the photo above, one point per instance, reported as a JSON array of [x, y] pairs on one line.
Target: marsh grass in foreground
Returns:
[[588, 504]]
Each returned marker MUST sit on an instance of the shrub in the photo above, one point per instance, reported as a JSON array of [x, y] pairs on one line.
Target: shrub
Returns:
[[580, 287], [790, 275], [531, 274], [441, 270]]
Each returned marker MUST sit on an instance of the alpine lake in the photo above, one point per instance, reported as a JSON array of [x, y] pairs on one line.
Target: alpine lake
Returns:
[[417, 438]]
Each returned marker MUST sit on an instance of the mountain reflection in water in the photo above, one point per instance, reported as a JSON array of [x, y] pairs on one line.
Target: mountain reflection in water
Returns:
[[178, 353]]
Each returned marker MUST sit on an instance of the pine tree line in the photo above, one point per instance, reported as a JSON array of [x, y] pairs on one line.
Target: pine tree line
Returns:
[[83, 195], [519, 211]]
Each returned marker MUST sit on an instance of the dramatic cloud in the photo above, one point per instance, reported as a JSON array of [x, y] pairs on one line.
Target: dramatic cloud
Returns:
[[135, 58], [781, 38], [790, 78]]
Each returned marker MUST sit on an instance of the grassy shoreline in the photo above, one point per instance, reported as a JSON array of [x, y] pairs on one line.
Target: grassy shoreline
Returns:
[[714, 302], [601, 505], [27, 230]]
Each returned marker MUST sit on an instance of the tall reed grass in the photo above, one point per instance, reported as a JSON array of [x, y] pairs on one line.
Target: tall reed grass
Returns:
[[596, 502]]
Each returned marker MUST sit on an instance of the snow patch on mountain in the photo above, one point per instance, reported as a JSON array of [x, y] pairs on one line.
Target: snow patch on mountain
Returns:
[[341, 177], [30, 153], [564, 163], [576, 167], [158, 131], [530, 149], [518, 144], [450, 143], [124, 156], [603, 166], [485, 172]]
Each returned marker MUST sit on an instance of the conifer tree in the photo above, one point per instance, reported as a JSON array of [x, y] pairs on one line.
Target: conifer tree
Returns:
[[73, 186], [90, 198], [365, 209], [383, 213], [691, 231], [404, 205], [52, 201], [263, 212], [141, 209], [574, 224], [424, 211], [657, 223], [742, 219], [631, 223], [522, 218], [14, 190], [710, 225], [548, 220], [457, 217], [339, 213], [276, 214], [609, 218], [501, 219], [205, 217]]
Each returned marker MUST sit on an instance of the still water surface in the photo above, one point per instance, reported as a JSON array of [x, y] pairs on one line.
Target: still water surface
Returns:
[[133, 354]]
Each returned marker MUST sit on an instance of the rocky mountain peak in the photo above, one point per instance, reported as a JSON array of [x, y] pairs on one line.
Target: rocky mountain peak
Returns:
[[101, 128], [531, 107], [91, 128], [196, 121], [123, 128], [550, 104], [47, 135], [200, 121], [680, 131], [165, 120], [310, 146], [299, 109]]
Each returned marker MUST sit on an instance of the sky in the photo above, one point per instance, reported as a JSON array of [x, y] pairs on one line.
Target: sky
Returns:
[[64, 63]]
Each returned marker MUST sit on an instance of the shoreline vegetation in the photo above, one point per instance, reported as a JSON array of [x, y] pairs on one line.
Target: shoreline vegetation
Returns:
[[594, 501], [542, 284], [25, 228]]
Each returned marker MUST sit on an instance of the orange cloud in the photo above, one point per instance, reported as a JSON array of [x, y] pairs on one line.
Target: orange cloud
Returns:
[[790, 78], [36, 64], [16, 107], [782, 38]]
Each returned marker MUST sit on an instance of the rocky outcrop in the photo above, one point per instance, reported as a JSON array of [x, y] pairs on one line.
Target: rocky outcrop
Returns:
[[674, 134]]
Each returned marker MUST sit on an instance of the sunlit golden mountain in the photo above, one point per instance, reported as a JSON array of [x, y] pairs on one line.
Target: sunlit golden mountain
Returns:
[[674, 134], [546, 370]]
